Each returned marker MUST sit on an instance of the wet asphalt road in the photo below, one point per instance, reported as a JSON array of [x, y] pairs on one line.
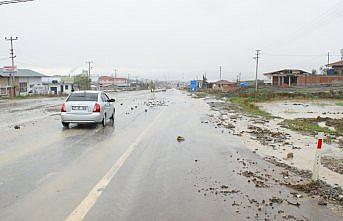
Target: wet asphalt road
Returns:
[[136, 170]]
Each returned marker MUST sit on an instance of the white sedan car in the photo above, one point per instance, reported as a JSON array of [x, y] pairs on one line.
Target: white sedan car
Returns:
[[87, 107]]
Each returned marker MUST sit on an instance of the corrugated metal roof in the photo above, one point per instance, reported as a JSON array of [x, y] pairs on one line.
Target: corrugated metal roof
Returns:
[[23, 73]]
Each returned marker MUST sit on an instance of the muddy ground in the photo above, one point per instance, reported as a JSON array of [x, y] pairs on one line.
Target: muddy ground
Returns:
[[288, 149]]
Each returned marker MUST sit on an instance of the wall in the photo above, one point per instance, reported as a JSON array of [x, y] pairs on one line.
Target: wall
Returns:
[[4, 82], [319, 79], [225, 87], [31, 81]]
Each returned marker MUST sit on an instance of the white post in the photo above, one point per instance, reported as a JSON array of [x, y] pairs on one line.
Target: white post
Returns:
[[316, 166]]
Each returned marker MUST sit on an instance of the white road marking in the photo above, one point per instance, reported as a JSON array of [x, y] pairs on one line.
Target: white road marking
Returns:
[[87, 203]]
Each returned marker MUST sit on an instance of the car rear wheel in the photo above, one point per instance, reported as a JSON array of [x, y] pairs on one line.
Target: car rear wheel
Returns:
[[103, 122], [65, 124], [112, 119]]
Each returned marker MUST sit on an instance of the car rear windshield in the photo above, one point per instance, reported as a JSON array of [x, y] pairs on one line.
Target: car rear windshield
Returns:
[[83, 97]]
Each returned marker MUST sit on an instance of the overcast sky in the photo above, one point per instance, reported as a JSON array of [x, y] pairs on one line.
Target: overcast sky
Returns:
[[172, 39]]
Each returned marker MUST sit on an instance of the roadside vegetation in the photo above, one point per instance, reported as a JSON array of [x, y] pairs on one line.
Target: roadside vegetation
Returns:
[[246, 99], [247, 105], [30, 97], [307, 125], [272, 94]]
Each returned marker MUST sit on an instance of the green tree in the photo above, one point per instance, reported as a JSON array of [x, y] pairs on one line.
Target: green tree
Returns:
[[82, 81]]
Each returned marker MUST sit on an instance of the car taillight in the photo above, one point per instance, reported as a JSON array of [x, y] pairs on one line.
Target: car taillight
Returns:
[[96, 107], [63, 108]]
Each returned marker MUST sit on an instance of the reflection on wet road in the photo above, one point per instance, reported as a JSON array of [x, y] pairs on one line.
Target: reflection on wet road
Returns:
[[136, 170]]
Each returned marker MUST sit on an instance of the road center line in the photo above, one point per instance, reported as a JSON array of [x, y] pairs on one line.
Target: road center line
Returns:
[[87, 203]]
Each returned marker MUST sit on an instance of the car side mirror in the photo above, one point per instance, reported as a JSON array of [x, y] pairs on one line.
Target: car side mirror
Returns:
[[111, 100]]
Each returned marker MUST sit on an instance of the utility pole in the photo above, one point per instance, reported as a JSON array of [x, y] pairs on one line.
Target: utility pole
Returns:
[[258, 53], [89, 73], [220, 72], [328, 58], [12, 56], [115, 73], [11, 39], [239, 79], [341, 54]]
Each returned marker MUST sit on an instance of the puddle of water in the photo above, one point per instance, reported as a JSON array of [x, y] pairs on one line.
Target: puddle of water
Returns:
[[303, 109]]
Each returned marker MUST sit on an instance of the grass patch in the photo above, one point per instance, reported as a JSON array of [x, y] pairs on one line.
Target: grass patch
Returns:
[[339, 104], [31, 97], [200, 94], [247, 105], [309, 125]]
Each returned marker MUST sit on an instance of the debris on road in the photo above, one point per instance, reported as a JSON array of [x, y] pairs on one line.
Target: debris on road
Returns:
[[17, 127], [333, 163], [290, 156], [180, 139], [293, 203], [322, 202], [275, 199]]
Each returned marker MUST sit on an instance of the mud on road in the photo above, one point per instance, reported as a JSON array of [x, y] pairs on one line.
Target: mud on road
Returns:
[[181, 163]]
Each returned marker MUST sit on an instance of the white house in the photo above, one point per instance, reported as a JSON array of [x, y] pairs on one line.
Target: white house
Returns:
[[58, 84]]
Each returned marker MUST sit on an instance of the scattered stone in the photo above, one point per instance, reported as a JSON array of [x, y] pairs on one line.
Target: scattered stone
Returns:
[[180, 139], [322, 202], [17, 127], [224, 187], [276, 200], [290, 156], [293, 203]]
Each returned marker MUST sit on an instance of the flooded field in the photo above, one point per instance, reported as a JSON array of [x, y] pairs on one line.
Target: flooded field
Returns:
[[292, 109]]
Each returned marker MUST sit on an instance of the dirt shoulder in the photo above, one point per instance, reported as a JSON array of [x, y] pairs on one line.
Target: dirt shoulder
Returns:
[[269, 136]]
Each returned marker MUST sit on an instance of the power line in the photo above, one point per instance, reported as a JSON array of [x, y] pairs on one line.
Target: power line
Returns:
[[308, 27], [14, 1], [299, 55]]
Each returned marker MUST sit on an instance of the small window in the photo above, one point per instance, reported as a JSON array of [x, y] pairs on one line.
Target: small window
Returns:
[[23, 87], [66, 87]]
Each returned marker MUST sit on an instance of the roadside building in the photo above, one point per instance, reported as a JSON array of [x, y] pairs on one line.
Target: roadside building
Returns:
[[24, 81], [295, 77], [224, 85], [335, 68], [286, 77], [58, 85], [107, 81]]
